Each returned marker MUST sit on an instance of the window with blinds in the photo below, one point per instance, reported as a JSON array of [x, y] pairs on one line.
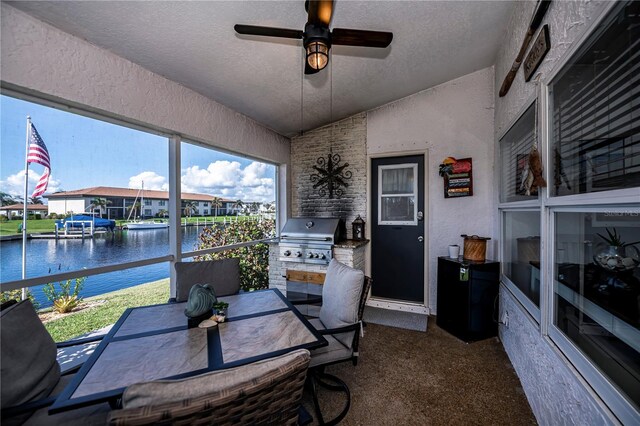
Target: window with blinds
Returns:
[[595, 142], [515, 147]]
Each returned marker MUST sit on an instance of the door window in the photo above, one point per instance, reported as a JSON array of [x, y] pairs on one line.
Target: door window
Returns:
[[397, 192]]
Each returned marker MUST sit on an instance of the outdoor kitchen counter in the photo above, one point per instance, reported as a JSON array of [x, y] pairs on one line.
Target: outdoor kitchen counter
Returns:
[[345, 244], [351, 244]]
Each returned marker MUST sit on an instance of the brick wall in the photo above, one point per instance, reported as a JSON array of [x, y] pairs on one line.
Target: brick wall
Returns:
[[277, 269], [348, 138]]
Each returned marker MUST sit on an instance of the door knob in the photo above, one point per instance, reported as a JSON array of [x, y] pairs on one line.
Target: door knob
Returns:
[[420, 239]]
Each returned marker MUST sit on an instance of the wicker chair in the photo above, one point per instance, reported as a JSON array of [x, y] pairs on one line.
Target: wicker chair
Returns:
[[223, 274], [344, 296], [267, 392], [31, 376]]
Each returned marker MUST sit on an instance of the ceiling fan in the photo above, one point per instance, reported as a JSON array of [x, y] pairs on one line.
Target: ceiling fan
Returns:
[[317, 39]]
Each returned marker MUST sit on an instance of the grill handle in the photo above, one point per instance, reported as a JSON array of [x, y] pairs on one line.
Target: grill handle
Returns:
[[284, 237]]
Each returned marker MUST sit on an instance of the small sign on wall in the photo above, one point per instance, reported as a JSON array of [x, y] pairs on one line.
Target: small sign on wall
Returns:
[[459, 181], [537, 53]]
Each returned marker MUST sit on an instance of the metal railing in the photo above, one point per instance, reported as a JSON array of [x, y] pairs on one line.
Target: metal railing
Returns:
[[30, 282]]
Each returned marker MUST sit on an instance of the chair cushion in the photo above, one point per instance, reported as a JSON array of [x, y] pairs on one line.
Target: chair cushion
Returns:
[[222, 274], [341, 294], [334, 351], [216, 383], [93, 415], [29, 370]]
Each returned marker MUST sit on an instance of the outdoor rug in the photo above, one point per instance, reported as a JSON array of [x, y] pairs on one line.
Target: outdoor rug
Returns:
[[398, 319]]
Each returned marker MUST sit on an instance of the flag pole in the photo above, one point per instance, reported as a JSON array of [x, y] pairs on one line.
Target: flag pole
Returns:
[[24, 210]]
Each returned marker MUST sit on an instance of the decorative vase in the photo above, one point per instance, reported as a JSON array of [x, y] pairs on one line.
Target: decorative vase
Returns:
[[618, 258]]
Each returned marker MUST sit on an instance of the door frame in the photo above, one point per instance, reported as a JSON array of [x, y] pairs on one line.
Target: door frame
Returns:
[[392, 304]]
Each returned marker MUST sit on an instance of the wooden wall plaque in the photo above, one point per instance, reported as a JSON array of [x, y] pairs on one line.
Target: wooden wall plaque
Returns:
[[537, 53], [459, 183]]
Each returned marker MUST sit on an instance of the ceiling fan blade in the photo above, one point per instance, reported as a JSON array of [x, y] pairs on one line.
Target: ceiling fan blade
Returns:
[[267, 31], [308, 70], [348, 37], [320, 11]]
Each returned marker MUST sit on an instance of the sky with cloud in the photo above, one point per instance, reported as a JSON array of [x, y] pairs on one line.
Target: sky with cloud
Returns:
[[86, 152]]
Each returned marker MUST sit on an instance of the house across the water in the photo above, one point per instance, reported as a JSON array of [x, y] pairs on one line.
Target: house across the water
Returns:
[[15, 210], [120, 200]]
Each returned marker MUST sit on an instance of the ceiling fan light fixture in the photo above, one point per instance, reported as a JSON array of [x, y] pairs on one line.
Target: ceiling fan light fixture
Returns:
[[317, 55]]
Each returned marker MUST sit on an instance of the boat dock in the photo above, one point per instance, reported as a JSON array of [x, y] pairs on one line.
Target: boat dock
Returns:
[[68, 235]]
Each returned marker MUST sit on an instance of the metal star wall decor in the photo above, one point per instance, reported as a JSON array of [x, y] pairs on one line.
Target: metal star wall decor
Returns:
[[331, 175]]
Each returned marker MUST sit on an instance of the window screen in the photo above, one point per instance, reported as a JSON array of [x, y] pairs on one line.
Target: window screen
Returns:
[[596, 111], [515, 147]]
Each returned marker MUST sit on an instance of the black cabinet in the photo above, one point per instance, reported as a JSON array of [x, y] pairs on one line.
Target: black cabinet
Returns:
[[468, 298]]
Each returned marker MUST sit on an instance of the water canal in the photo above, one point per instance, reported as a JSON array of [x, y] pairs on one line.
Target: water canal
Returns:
[[50, 256]]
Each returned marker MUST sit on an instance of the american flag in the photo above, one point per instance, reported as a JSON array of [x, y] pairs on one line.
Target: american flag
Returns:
[[38, 154]]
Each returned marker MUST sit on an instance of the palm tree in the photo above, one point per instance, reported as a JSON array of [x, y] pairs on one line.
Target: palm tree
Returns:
[[35, 200], [190, 207], [237, 205], [7, 199], [163, 213], [100, 203], [217, 203]]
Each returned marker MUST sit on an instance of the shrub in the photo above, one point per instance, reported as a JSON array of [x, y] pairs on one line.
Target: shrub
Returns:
[[65, 304], [254, 260], [53, 215], [3, 218], [67, 298], [16, 294]]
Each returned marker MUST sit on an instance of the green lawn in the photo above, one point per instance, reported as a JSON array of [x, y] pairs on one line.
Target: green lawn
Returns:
[[84, 321], [33, 226], [48, 225]]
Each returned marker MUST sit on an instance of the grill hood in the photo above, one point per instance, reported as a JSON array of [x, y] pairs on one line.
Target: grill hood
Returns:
[[313, 229]]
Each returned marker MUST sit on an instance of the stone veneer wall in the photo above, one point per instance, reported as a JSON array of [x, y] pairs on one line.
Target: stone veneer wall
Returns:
[[556, 392], [277, 269], [348, 139]]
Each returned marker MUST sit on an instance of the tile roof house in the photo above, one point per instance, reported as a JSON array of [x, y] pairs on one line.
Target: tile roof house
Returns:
[[120, 201], [18, 209]]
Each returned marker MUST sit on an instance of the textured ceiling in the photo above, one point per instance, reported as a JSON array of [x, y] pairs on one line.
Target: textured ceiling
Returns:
[[194, 44]]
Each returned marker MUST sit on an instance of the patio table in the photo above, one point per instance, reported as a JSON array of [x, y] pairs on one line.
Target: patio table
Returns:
[[154, 342]]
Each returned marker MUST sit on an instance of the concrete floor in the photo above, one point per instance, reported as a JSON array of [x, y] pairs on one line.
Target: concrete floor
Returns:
[[407, 377]]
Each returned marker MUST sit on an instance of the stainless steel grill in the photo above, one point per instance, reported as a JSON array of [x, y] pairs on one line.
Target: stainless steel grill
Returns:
[[310, 240]]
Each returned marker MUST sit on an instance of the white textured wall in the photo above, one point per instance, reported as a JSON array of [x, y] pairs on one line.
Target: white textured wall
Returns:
[[567, 21], [452, 119], [556, 394], [41, 60]]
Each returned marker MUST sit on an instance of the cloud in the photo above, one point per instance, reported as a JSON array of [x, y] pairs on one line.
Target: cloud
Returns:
[[151, 180], [227, 179], [14, 184]]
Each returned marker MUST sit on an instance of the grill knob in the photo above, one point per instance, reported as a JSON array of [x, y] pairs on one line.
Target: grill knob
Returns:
[[287, 253], [310, 255], [298, 254], [323, 257]]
